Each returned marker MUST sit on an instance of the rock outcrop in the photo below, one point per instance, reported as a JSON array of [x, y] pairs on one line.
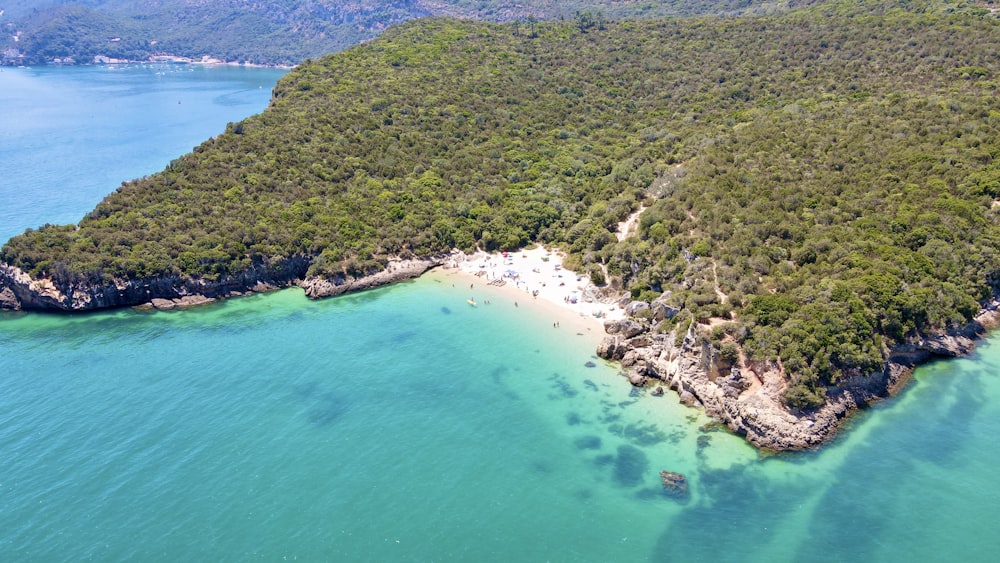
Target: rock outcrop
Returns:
[[627, 328], [180, 302], [46, 295], [747, 396], [19, 291], [398, 270]]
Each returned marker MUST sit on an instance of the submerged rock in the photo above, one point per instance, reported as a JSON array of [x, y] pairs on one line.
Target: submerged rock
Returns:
[[674, 484], [180, 302], [637, 378]]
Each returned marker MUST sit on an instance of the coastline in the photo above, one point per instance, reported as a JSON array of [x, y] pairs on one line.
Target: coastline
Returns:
[[532, 278], [155, 59], [745, 397]]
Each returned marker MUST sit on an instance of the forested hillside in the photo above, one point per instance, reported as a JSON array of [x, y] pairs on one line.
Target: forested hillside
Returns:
[[288, 31], [819, 188]]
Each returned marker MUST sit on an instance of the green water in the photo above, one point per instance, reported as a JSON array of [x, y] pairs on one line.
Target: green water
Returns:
[[398, 423], [401, 424]]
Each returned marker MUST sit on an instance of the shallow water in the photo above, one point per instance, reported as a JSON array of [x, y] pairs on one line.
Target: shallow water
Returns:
[[402, 424]]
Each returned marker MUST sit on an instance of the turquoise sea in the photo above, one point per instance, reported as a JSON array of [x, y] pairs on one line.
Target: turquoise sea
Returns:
[[401, 424]]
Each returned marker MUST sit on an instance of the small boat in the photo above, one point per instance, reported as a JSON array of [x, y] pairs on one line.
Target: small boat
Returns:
[[471, 302]]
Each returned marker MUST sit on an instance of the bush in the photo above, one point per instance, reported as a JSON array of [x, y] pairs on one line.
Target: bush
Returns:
[[596, 274], [803, 396], [729, 353]]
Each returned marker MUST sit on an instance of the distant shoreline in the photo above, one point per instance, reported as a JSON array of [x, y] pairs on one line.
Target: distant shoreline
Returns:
[[159, 59]]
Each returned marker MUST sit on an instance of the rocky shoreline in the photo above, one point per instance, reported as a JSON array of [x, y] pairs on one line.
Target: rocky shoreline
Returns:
[[745, 396], [19, 291]]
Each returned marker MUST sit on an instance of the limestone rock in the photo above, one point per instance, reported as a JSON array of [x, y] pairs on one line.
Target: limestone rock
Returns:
[[625, 327], [747, 398], [18, 290], [637, 378], [643, 341], [8, 300], [611, 348], [947, 345], [398, 270], [633, 308], [162, 304], [630, 358], [192, 301], [733, 383], [46, 294], [662, 311], [261, 287], [688, 399]]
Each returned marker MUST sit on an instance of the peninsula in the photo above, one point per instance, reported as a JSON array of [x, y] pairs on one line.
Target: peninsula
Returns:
[[815, 197]]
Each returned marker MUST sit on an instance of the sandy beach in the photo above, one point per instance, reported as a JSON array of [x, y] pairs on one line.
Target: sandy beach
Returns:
[[533, 278]]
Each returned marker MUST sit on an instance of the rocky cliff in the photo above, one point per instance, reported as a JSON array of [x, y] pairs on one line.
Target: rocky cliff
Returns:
[[746, 396], [19, 291]]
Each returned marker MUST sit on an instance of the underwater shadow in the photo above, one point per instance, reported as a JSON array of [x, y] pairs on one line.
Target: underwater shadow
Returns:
[[325, 407], [736, 513]]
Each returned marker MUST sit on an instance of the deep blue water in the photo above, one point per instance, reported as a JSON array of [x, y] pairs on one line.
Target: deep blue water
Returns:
[[401, 424]]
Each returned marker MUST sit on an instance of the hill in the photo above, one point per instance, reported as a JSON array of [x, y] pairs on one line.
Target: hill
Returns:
[[271, 32], [822, 192], [282, 33]]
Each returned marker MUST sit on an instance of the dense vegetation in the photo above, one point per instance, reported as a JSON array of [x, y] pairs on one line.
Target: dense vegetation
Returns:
[[819, 188], [288, 31], [284, 32]]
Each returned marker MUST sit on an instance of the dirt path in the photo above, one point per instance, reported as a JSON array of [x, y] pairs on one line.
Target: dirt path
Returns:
[[629, 226]]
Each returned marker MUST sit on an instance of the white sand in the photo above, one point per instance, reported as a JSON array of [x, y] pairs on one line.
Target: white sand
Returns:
[[537, 276]]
